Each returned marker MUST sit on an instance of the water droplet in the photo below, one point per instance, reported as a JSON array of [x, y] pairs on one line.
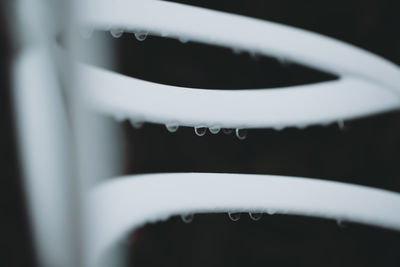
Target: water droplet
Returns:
[[279, 127], [341, 223], [116, 33], [183, 40], [241, 134], [271, 211], [214, 129], [341, 124], [172, 127], [187, 218], [237, 51], [227, 131], [141, 35], [234, 216], [302, 126], [255, 216], [137, 124], [164, 34], [86, 32], [326, 123], [284, 62], [254, 55], [200, 131]]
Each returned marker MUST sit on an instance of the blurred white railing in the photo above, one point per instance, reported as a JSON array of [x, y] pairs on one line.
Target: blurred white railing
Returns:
[[367, 85]]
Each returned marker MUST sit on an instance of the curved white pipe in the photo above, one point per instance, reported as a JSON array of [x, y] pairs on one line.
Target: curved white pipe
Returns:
[[119, 205], [318, 103], [219, 28], [368, 84]]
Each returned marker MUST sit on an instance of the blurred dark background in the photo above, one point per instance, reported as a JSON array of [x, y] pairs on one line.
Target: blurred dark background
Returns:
[[275, 240], [366, 151]]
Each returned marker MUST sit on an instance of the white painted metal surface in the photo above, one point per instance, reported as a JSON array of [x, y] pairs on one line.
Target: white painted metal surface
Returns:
[[43, 136], [111, 93], [368, 84], [229, 30], [122, 204]]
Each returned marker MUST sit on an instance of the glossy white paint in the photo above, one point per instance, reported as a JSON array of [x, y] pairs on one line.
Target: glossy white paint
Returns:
[[125, 97], [368, 84], [122, 204]]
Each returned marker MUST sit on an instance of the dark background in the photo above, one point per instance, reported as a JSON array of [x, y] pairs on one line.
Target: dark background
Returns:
[[366, 152]]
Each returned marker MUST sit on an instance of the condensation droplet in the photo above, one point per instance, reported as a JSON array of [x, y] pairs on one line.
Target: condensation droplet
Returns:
[[234, 216], [227, 131], [141, 35], [283, 61], [279, 127], [187, 218], [271, 211], [200, 131], [214, 129], [237, 51], [301, 126], [116, 33], [255, 216], [341, 124], [254, 55], [172, 127], [137, 124], [241, 134], [341, 223], [183, 40], [326, 123]]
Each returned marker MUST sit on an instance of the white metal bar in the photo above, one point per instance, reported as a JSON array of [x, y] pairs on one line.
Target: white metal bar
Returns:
[[122, 204], [46, 158], [219, 28], [368, 84], [43, 137], [126, 97]]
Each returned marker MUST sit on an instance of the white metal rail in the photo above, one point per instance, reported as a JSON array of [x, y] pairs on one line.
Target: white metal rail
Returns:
[[120, 205], [367, 84]]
